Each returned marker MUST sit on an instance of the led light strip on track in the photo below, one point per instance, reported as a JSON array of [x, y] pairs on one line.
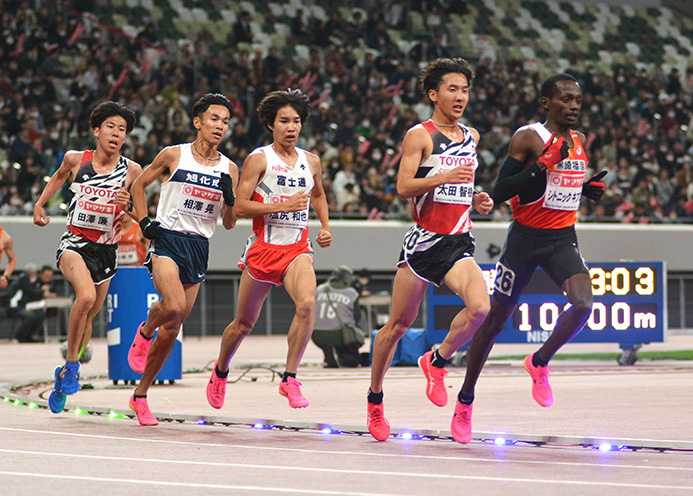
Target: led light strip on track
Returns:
[[7, 393]]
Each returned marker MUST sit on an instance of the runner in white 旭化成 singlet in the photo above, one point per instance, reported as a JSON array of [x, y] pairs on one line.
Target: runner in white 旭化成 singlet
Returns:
[[191, 201], [199, 186]]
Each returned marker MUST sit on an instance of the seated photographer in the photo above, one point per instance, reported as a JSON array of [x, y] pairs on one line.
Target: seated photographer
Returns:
[[336, 313]]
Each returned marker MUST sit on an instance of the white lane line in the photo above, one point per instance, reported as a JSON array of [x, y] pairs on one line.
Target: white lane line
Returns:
[[349, 453], [272, 490], [369, 473]]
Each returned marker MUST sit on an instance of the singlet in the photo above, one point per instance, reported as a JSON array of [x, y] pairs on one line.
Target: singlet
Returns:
[[446, 209], [277, 185], [92, 214], [191, 201], [557, 208], [1, 250], [130, 251]]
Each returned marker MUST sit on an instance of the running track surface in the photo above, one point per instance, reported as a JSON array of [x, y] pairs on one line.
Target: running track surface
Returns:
[[43, 453]]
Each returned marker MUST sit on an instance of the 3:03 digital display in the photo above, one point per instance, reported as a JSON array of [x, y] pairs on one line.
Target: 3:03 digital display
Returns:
[[623, 280], [629, 305]]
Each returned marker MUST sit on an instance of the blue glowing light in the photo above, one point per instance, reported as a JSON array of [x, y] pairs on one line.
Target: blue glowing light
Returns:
[[201, 421], [326, 430], [406, 435], [499, 441], [258, 426], [605, 447]]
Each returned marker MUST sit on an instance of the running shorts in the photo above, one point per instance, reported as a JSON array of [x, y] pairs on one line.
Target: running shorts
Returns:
[[526, 248], [267, 262], [430, 255], [100, 259], [190, 252]]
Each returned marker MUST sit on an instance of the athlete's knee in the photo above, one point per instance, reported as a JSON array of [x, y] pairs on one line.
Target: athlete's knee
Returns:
[[394, 330], [493, 324], [84, 301], [241, 326], [305, 307], [582, 306], [477, 312], [174, 311]]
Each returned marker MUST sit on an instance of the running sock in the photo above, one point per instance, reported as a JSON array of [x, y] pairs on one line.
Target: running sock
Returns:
[[438, 361], [537, 361], [219, 373], [138, 396], [465, 399], [286, 376], [375, 398]]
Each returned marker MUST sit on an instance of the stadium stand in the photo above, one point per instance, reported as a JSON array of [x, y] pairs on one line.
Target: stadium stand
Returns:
[[358, 62]]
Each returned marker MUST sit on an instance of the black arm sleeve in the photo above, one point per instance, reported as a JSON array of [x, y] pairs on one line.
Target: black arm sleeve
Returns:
[[512, 180]]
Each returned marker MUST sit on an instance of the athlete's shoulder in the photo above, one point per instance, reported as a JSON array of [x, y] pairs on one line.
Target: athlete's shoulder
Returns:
[[418, 133], [132, 165], [530, 132], [172, 151], [580, 135], [73, 158], [311, 157], [475, 134]]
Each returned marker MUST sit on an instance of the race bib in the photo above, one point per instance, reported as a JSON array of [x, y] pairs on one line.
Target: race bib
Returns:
[[127, 254], [90, 215], [199, 202], [458, 194], [563, 191], [293, 220]]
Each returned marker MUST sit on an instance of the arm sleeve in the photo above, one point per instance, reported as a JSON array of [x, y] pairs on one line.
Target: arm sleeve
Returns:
[[512, 180]]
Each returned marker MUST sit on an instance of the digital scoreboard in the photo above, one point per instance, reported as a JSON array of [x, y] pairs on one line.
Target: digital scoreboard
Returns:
[[629, 306]]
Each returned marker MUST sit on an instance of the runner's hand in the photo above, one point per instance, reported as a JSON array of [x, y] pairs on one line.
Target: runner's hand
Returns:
[[226, 184], [594, 188], [150, 228], [554, 153]]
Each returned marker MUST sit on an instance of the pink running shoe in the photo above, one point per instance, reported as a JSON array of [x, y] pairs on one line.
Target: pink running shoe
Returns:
[[378, 425], [541, 390], [435, 380], [144, 414], [216, 389], [292, 391], [461, 426], [137, 356]]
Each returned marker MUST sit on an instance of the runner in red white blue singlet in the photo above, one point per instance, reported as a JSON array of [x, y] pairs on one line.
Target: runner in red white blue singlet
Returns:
[[437, 170], [446, 209], [100, 180], [92, 214]]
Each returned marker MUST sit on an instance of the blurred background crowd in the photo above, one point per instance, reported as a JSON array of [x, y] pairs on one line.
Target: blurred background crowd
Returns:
[[358, 62]]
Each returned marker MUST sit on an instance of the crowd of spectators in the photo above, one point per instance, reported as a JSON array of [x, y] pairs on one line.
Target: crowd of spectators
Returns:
[[56, 65]]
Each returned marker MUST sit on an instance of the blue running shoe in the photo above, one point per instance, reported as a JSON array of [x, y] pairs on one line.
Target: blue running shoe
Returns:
[[70, 384], [56, 400]]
